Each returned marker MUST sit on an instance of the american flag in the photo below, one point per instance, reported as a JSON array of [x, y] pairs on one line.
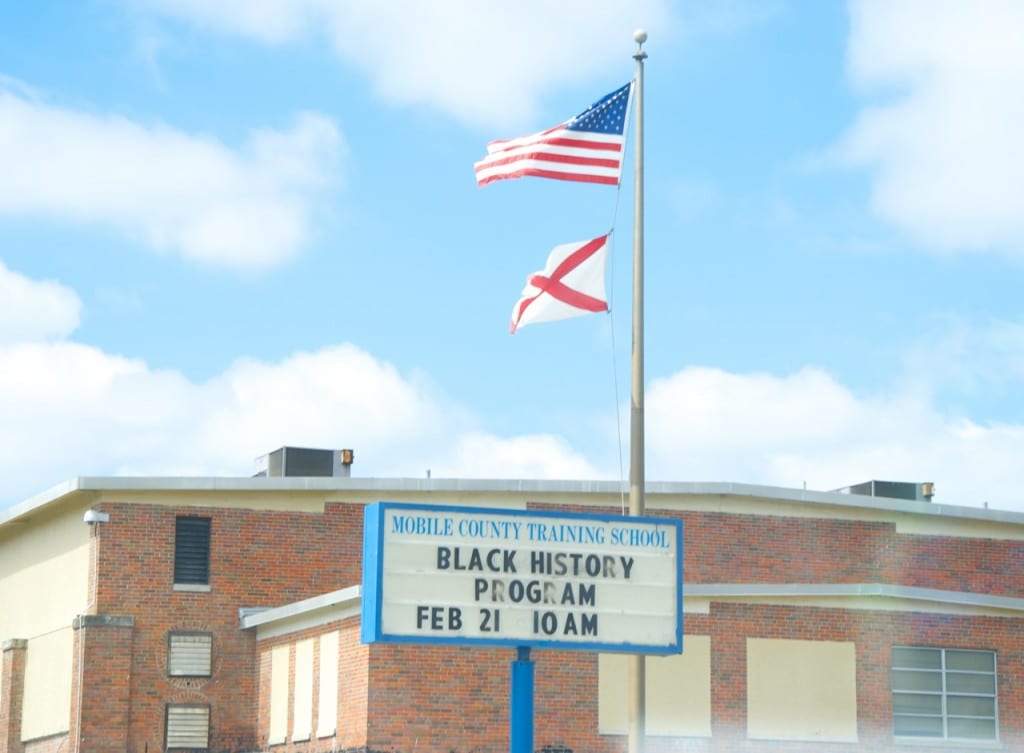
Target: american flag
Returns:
[[586, 148]]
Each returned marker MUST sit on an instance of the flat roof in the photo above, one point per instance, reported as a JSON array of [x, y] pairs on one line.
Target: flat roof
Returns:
[[653, 489]]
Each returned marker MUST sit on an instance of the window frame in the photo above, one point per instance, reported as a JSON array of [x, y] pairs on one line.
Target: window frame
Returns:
[[192, 547], [172, 634], [168, 708], [944, 693]]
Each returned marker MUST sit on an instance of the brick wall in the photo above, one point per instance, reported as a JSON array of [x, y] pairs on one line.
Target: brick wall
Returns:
[[353, 687], [12, 686], [50, 744], [350, 711], [257, 558], [873, 633], [415, 699], [456, 700], [100, 723], [729, 548]]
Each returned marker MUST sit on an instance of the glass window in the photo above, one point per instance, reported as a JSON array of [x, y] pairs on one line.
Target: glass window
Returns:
[[944, 693]]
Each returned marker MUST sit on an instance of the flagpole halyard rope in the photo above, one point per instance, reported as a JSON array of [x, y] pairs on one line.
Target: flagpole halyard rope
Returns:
[[624, 488], [588, 148], [623, 481], [615, 382]]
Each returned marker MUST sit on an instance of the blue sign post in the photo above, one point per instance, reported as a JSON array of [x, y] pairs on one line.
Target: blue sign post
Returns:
[[521, 706]]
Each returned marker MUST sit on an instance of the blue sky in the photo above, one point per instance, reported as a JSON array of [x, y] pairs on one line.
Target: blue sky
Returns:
[[227, 227]]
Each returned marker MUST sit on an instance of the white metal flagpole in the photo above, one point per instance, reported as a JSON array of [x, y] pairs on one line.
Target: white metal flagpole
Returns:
[[636, 673]]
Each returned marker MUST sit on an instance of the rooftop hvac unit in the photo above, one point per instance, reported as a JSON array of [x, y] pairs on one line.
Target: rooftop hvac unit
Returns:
[[894, 490], [304, 461]]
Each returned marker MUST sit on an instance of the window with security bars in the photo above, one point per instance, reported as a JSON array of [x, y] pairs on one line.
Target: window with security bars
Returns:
[[192, 551], [947, 694], [188, 727], [189, 654]]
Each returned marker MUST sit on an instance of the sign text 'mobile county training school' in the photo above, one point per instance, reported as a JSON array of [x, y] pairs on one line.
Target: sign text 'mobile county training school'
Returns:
[[506, 577]]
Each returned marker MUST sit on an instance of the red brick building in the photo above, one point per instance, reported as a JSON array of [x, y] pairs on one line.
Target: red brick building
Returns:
[[223, 614]]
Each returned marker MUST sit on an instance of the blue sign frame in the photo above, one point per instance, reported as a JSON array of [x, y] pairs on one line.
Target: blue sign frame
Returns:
[[372, 594]]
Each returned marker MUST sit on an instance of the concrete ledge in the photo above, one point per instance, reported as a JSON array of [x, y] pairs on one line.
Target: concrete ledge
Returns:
[[302, 615], [103, 620], [877, 590], [13, 644]]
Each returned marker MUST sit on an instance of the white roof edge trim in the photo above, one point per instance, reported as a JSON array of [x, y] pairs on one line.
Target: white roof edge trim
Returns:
[[516, 486], [882, 590], [345, 596], [41, 500]]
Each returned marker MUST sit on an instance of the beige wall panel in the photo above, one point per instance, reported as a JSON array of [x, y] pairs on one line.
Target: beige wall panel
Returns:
[[280, 660], [47, 698], [327, 707], [47, 556], [678, 691], [611, 694], [302, 718], [801, 690]]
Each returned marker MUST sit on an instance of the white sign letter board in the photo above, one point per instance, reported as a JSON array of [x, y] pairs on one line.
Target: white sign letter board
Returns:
[[466, 575]]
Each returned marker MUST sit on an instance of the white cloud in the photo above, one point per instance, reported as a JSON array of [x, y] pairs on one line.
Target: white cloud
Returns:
[[269, 21], [33, 310], [943, 136], [338, 396], [483, 63], [968, 359], [530, 456], [71, 409], [168, 189], [807, 428]]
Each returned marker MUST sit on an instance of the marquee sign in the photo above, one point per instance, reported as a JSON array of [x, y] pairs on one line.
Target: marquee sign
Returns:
[[466, 575]]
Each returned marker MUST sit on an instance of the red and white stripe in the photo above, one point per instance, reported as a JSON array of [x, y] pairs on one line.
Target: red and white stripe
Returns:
[[555, 153]]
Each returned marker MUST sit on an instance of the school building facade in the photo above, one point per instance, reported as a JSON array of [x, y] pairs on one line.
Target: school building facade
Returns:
[[223, 614]]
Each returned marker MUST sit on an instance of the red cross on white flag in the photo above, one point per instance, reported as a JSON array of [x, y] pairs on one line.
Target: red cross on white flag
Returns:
[[571, 284]]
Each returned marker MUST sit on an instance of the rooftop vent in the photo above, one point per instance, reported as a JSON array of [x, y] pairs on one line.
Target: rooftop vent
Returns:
[[303, 461], [909, 490]]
